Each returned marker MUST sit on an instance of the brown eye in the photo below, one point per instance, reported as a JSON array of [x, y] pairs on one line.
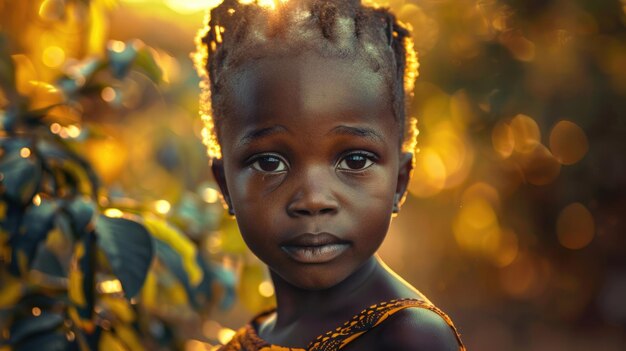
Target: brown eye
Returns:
[[355, 162], [269, 164]]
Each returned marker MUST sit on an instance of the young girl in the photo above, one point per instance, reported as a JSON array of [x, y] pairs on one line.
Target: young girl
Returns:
[[304, 109]]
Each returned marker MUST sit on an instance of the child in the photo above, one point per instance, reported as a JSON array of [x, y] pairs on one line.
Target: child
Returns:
[[304, 110]]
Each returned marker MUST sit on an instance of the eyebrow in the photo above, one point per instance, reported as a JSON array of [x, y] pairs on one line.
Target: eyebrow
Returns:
[[255, 134], [363, 132]]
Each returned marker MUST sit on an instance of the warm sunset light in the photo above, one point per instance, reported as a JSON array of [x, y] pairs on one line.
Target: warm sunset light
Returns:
[[116, 116]]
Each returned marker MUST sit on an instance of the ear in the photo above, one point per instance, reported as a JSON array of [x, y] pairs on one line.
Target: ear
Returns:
[[405, 167], [217, 167]]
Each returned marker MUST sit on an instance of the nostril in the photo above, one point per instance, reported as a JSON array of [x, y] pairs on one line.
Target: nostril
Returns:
[[311, 211], [302, 212], [327, 210]]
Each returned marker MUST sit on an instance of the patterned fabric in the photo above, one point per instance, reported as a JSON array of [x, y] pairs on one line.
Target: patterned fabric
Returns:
[[246, 339]]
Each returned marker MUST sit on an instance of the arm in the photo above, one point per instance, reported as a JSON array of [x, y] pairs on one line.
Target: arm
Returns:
[[417, 329]]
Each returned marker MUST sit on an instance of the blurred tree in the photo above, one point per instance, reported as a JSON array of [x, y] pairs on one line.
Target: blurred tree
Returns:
[[82, 266]]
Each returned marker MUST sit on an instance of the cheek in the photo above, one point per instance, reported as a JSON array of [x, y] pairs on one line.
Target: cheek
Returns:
[[378, 188]]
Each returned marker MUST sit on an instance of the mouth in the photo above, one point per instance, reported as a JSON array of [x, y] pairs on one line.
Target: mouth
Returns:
[[314, 248]]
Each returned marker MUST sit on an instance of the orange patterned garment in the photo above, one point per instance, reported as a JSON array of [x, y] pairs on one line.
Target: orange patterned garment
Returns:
[[246, 339]]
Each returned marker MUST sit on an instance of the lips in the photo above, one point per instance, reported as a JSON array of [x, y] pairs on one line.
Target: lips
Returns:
[[314, 248]]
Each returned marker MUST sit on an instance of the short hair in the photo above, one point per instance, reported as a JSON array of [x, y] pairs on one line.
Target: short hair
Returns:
[[240, 31]]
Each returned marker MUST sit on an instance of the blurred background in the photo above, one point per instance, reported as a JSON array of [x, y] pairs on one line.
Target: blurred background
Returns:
[[514, 224]]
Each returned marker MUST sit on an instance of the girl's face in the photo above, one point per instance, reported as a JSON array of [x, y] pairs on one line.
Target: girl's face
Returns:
[[311, 165]]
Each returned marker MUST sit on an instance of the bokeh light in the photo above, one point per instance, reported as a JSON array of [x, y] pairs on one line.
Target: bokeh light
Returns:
[[540, 167], [526, 133], [575, 226], [429, 175], [25, 152], [503, 139], [568, 142], [53, 56]]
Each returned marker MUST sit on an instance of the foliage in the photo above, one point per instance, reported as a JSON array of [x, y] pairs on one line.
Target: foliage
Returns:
[[82, 267]]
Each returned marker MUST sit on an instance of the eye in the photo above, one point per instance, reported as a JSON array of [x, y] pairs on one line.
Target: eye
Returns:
[[269, 164], [356, 162]]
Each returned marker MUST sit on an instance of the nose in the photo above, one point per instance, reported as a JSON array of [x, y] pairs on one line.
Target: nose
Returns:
[[313, 196]]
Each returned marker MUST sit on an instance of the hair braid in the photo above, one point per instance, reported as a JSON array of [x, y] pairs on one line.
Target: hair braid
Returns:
[[240, 31]]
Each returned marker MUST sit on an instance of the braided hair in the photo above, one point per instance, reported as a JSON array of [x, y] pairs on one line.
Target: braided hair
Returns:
[[239, 31]]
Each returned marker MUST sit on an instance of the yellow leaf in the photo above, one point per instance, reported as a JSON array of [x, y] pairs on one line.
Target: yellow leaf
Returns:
[[5, 250], [24, 73], [120, 307], [149, 291], [161, 230], [10, 290], [176, 294], [109, 342], [3, 210], [84, 186], [129, 337], [44, 95], [98, 29]]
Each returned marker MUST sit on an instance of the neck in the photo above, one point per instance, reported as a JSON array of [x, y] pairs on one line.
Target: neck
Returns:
[[295, 304]]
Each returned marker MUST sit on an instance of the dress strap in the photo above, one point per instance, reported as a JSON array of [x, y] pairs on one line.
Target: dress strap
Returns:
[[368, 319], [247, 339]]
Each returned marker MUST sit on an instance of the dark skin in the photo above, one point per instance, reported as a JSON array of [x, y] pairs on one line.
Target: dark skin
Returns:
[[311, 150]]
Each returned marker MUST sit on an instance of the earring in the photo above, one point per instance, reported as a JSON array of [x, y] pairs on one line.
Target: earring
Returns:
[[396, 204]]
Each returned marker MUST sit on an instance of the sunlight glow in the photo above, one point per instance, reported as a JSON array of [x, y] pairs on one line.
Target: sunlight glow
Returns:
[[225, 335], [113, 213], [210, 195], [25, 152], [112, 286], [162, 206], [53, 56], [266, 289], [191, 6]]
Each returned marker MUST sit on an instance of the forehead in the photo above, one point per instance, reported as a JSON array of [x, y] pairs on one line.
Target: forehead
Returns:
[[305, 85]]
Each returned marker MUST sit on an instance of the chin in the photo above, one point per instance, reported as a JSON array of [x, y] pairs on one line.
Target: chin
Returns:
[[314, 281]]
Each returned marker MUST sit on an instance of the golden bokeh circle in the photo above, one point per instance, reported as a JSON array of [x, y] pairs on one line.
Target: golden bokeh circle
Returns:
[[568, 142], [575, 226]]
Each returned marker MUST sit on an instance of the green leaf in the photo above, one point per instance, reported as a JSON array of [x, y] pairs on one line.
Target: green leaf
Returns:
[[54, 341], [12, 218], [25, 328], [45, 261], [20, 177], [129, 248], [82, 76], [81, 213], [37, 222], [145, 60]]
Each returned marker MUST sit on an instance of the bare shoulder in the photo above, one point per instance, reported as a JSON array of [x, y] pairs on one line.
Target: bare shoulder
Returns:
[[417, 329]]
